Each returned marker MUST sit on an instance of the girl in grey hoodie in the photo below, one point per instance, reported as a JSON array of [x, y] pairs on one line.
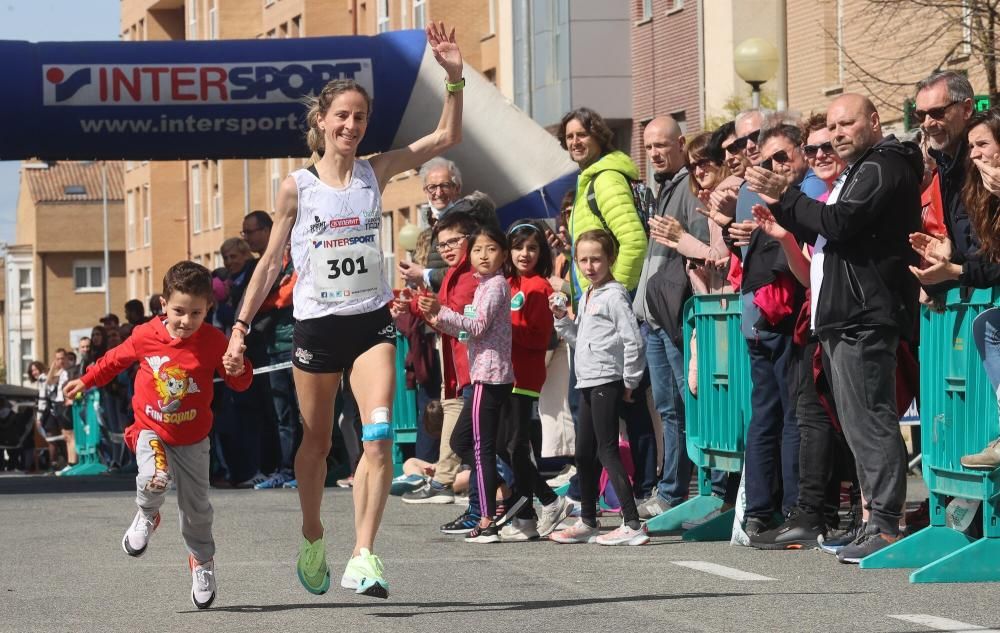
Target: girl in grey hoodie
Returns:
[[609, 361]]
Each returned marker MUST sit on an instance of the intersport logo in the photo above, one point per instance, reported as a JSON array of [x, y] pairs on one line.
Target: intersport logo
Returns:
[[196, 84]]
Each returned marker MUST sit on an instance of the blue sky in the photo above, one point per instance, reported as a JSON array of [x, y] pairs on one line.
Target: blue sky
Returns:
[[48, 21]]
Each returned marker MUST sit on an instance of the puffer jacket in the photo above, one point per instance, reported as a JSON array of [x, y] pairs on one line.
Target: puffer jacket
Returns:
[[614, 199]]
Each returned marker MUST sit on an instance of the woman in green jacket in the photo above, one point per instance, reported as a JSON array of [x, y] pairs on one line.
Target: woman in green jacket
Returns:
[[588, 139]]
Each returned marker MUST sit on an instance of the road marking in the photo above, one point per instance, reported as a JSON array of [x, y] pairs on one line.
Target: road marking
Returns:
[[720, 570], [941, 624]]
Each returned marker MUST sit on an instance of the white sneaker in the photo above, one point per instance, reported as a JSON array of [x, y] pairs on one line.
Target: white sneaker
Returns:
[[578, 533], [552, 515], [253, 481], [202, 582], [137, 535], [519, 530], [563, 477], [624, 535]]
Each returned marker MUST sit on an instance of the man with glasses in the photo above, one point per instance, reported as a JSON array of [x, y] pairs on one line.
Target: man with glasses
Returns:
[[943, 107], [257, 230], [442, 184]]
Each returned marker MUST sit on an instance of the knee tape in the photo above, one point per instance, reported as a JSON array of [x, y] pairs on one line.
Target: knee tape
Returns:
[[376, 431]]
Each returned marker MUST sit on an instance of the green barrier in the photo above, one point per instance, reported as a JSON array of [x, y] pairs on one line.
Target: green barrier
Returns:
[[404, 408], [716, 419], [87, 434], [958, 416]]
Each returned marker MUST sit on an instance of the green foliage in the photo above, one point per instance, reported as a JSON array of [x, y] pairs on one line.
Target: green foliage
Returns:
[[737, 103]]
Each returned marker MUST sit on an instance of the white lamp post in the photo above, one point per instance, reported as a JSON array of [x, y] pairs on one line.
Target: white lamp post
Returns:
[[756, 62]]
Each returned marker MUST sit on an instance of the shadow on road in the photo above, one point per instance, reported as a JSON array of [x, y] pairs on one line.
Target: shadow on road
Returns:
[[437, 608], [42, 484]]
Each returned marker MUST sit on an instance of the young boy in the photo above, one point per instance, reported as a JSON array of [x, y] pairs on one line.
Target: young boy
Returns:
[[177, 360]]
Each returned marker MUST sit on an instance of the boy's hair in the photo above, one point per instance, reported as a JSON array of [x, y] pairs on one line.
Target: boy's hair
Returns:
[[190, 278], [490, 231], [459, 221], [433, 418], [525, 230], [603, 238]]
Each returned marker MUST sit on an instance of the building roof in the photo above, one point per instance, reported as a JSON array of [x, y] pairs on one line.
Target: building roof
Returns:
[[73, 181]]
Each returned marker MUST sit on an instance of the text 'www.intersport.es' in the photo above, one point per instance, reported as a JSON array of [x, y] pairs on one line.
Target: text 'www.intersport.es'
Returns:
[[190, 124]]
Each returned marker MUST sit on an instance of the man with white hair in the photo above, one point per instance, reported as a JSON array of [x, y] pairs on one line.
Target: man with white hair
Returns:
[[443, 186]]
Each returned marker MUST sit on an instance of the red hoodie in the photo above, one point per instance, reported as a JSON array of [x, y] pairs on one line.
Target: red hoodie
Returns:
[[457, 291], [173, 387], [531, 323]]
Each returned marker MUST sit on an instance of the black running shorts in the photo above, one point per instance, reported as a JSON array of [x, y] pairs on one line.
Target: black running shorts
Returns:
[[332, 343]]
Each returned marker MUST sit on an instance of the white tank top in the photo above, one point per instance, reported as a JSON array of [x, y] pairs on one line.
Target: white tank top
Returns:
[[337, 246]]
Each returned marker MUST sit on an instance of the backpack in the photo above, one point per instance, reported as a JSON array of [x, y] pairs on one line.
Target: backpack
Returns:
[[642, 199]]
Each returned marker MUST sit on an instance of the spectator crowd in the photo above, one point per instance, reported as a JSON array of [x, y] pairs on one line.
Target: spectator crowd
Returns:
[[567, 332]]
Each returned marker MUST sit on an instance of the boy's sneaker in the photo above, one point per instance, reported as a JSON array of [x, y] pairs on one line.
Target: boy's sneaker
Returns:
[[406, 483], [986, 459], [578, 533], [520, 530], [202, 582], [552, 515], [258, 478], [508, 509], [365, 573], [488, 534], [800, 531], [293, 484], [624, 535], [276, 480], [311, 566], [346, 482], [868, 542], [653, 507], [137, 535], [563, 477], [464, 524], [433, 492]]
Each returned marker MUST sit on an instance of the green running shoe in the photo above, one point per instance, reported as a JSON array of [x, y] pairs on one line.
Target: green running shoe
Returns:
[[312, 570], [364, 575]]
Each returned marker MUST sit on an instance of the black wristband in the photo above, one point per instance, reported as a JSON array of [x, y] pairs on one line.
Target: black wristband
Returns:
[[244, 324]]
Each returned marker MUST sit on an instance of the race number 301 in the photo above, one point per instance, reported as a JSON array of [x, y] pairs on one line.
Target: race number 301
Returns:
[[346, 267]]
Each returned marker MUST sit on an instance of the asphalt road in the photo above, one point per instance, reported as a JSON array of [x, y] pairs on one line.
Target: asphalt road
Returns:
[[62, 569]]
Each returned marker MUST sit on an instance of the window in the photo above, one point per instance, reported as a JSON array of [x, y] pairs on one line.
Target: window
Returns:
[[217, 260], [388, 250], [195, 199], [213, 21], [419, 14], [275, 181], [133, 283], [88, 276], [676, 5], [130, 219], [27, 352], [382, 21], [192, 19], [268, 3], [966, 27], [147, 274], [296, 30], [24, 285], [147, 220], [197, 259], [493, 17], [216, 195], [404, 8], [647, 9]]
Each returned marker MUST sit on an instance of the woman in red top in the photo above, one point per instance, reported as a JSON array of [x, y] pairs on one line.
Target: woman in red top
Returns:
[[531, 320]]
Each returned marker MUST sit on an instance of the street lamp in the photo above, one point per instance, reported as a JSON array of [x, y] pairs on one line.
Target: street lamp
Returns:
[[756, 62], [408, 237]]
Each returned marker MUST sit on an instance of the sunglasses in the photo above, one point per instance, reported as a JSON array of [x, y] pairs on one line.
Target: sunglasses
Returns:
[[935, 113], [740, 144], [812, 150], [780, 156], [704, 163]]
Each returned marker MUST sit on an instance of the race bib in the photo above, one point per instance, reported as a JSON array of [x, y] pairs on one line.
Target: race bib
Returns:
[[347, 268]]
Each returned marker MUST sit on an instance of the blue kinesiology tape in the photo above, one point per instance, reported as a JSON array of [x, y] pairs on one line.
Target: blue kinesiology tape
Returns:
[[376, 431]]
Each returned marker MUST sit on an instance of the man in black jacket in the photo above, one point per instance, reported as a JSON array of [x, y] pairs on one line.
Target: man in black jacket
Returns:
[[864, 299]]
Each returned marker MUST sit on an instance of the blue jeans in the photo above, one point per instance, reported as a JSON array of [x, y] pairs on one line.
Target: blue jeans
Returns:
[[427, 447], [986, 334], [668, 376], [772, 447], [286, 408]]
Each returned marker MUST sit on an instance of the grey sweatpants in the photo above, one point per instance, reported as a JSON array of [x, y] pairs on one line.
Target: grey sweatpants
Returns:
[[187, 466], [863, 362]]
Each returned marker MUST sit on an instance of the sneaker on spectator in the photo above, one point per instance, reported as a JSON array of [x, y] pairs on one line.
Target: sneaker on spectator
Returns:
[[867, 543], [800, 531], [433, 492], [294, 483], [64, 470], [653, 507], [202, 582], [487, 534], [136, 537], [986, 459], [406, 483], [580, 532], [552, 515], [754, 526], [508, 509], [463, 524], [835, 540], [347, 482], [520, 530], [563, 477], [253, 481], [693, 523], [624, 535], [918, 518], [276, 480]]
